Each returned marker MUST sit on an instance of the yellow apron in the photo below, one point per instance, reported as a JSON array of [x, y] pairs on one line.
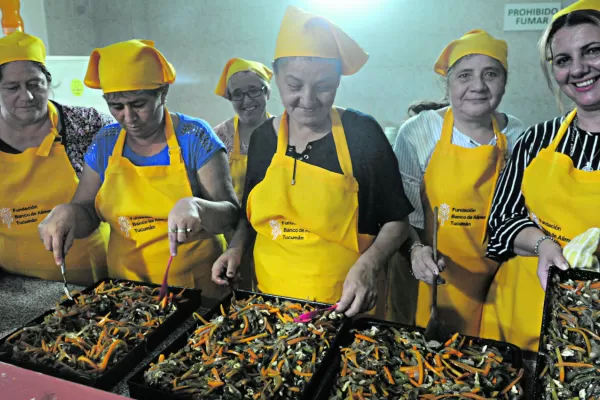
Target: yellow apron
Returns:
[[33, 182], [238, 163], [136, 202], [308, 236], [460, 182], [563, 201]]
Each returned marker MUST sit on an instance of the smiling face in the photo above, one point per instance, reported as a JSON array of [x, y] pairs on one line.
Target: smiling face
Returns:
[[307, 87], [576, 64], [476, 84], [139, 112], [24, 92], [250, 109]]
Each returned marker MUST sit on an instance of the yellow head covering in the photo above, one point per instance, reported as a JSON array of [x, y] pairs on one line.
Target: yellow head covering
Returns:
[[131, 65], [476, 41], [235, 65], [578, 5], [307, 35], [19, 46]]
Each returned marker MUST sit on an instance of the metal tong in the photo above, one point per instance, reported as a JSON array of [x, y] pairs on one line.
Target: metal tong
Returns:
[[436, 329], [63, 270]]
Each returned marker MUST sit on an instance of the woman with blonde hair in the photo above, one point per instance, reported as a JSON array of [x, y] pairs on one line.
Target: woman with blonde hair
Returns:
[[550, 188]]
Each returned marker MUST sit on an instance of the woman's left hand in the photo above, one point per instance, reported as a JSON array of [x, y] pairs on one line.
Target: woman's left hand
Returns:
[[360, 289], [184, 223]]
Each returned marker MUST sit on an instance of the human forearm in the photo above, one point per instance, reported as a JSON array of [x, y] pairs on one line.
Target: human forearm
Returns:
[[525, 242], [86, 219], [391, 236], [217, 217]]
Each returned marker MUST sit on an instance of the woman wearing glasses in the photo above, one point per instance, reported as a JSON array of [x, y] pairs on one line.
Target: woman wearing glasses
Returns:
[[246, 85]]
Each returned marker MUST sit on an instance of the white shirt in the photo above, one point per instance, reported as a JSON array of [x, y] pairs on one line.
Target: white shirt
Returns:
[[414, 146]]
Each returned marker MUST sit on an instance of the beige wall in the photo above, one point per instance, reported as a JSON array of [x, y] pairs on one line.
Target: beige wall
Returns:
[[403, 38]]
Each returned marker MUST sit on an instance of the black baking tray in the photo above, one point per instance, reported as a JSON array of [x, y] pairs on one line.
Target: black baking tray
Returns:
[[511, 353], [555, 275], [114, 374], [138, 389]]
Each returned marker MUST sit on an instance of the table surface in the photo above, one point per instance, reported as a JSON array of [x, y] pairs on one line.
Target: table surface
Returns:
[[23, 299]]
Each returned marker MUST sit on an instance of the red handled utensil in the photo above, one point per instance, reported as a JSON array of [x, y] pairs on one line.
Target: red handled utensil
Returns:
[[164, 289], [309, 316]]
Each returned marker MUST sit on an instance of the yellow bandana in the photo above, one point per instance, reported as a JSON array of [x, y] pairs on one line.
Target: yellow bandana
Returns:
[[578, 5], [125, 66], [19, 46], [235, 65], [307, 35], [476, 41]]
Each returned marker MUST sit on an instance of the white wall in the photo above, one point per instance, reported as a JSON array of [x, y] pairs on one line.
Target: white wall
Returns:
[[403, 38], [34, 18]]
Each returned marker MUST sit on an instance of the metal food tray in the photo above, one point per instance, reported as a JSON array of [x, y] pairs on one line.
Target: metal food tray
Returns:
[[562, 276], [139, 389], [114, 374], [511, 353]]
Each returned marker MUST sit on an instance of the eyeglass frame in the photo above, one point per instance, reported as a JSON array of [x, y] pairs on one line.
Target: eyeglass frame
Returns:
[[247, 93]]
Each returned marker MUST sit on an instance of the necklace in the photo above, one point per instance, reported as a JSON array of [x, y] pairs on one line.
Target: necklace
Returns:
[[588, 165]]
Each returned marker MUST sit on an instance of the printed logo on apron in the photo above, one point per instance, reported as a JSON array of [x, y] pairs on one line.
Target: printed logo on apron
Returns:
[[125, 225], [23, 216], [7, 217], [275, 229], [444, 213]]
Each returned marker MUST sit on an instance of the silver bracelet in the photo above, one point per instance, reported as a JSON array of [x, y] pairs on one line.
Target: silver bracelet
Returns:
[[536, 249], [414, 246]]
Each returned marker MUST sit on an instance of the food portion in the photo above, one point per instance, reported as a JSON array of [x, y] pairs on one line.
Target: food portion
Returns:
[[570, 345], [254, 350], [95, 333], [390, 363]]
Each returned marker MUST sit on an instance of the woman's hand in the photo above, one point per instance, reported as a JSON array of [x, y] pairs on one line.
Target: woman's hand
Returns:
[[423, 266], [360, 289], [185, 223], [225, 268], [550, 254], [57, 231]]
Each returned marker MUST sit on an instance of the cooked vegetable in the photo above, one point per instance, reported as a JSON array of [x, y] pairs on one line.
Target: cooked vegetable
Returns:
[[392, 363], [571, 343], [252, 351], [96, 332]]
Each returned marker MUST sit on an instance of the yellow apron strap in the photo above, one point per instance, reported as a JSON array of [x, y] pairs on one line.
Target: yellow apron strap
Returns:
[[340, 143], [236, 136], [174, 149], [48, 142], [563, 128]]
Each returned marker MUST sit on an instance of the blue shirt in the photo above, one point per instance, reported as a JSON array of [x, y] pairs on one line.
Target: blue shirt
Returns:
[[196, 138]]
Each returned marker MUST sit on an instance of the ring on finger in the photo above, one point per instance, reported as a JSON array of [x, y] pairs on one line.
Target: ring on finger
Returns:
[[175, 230]]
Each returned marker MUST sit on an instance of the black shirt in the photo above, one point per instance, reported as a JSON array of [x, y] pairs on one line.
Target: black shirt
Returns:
[[381, 197]]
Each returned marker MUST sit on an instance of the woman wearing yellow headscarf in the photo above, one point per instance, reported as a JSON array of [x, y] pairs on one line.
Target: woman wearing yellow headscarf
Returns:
[[450, 157], [41, 152], [323, 193], [246, 85], [549, 191], [160, 179]]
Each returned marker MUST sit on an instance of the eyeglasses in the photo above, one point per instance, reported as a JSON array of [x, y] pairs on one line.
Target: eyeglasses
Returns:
[[253, 93]]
